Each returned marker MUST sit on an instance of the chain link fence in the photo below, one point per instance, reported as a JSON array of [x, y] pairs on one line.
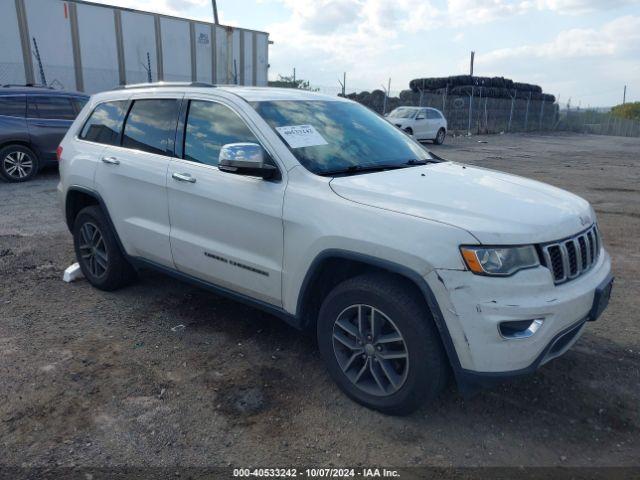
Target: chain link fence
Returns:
[[11, 73], [472, 113], [477, 114], [596, 122]]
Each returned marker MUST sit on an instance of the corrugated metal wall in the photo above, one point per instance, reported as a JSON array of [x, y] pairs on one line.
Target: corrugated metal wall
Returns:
[[91, 47]]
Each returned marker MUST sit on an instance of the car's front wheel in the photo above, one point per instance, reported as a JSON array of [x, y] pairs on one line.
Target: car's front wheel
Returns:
[[100, 258], [380, 345], [18, 163], [440, 136]]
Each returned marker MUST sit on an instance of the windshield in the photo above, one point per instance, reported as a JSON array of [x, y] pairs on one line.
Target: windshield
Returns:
[[332, 136], [403, 112]]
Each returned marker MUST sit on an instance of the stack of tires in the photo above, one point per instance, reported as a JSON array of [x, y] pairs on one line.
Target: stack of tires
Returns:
[[492, 87]]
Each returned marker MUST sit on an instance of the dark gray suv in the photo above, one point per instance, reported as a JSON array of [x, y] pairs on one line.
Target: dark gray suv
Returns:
[[33, 121]]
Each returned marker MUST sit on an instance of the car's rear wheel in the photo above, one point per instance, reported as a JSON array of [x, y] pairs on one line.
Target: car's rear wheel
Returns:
[[18, 163], [440, 136], [97, 251], [380, 344]]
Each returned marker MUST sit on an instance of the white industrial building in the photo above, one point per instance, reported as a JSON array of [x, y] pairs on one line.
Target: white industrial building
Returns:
[[92, 47]]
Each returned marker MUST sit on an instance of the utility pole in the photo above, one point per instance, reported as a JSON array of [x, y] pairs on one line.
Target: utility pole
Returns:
[[473, 54], [386, 95], [215, 12], [343, 84], [624, 95]]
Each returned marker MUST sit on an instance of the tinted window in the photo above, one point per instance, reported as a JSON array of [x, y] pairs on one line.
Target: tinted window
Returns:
[[58, 108], [209, 127], [105, 123], [151, 125], [403, 112], [433, 114], [79, 103], [12, 106]]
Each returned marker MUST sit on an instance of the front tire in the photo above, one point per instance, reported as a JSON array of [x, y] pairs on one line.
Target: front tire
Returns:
[[98, 253], [440, 136], [409, 131], [18, 163], [380, 345]]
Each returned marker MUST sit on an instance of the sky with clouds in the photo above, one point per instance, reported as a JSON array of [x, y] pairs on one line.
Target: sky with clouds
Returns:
[[583, 50]]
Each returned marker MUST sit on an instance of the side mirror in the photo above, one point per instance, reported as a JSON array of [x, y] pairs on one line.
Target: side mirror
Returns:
[[245, 159]]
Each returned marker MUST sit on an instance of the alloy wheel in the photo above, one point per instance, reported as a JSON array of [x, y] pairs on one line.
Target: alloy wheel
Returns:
[[370, 350], [93, 251], [441, 136], [17, 164]]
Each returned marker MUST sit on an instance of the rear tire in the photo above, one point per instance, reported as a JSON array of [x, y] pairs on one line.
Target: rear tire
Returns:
[[101, 260], [440, 136], [18, 163], [397, 365]]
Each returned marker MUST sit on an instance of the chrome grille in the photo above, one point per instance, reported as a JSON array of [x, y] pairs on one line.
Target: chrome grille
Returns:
[[569, 258]]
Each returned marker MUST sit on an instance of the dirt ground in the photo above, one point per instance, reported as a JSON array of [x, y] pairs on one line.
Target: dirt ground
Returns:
[[89, 378]]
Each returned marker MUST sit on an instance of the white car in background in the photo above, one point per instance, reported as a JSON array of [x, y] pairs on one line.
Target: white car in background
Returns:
[[420, 122]]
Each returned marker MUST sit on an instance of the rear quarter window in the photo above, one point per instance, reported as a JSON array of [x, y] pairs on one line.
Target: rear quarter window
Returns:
[[105, 123], [53, 107], [79, 103], [13, 106]]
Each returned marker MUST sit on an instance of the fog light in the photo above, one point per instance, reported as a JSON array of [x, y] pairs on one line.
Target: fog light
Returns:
[[520, 328]]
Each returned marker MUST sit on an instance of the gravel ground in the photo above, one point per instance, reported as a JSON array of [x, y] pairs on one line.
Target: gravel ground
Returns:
[[89, 378]]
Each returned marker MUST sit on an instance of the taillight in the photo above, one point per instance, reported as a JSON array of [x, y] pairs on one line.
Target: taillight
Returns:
[[59, 153]]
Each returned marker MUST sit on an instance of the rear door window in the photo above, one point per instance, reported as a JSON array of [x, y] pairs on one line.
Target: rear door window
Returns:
[[151, 126], [433, 114], [53, 107], [12, 106], [105, 123]]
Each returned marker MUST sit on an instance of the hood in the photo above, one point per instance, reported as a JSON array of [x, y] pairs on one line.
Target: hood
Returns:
[[496, 208], [402, 122]]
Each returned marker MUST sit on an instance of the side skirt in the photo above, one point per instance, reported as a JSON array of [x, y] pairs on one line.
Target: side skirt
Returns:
[[140, 263]]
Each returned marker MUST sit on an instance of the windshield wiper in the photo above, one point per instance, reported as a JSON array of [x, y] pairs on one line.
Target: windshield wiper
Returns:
[[354, 169]]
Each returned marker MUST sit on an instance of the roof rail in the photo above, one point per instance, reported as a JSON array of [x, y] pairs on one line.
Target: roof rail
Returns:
[[30, 85], [165, 84]]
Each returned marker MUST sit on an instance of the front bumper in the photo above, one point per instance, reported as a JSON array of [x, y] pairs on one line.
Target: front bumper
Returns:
[[473, 307]]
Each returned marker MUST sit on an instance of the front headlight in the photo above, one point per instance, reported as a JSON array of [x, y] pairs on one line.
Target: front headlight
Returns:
[[499, 261]]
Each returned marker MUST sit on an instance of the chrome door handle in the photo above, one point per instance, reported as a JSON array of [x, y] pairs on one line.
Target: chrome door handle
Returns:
[[111, 160], [183, 177]]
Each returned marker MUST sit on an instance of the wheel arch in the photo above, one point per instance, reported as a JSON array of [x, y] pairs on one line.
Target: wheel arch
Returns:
[[21, 142], [77, 198], [333, 266]]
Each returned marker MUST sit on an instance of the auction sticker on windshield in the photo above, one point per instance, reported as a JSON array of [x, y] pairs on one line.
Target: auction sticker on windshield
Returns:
[[298, 136]]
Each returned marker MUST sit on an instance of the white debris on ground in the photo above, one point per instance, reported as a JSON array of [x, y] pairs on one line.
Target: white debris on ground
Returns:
[[72, 273]]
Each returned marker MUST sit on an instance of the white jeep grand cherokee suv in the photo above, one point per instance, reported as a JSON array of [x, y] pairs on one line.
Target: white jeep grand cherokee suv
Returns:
[[319, 211]]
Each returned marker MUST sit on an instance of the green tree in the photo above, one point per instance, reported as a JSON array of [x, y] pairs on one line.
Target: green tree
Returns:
[[289, 82], [627, 110]]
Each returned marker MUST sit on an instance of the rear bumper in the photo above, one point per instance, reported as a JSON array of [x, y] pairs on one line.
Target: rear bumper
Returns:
[[473, 307]]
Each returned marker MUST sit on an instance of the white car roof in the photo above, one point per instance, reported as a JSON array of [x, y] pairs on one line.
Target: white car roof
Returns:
[[257, 94], [250, 94]]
